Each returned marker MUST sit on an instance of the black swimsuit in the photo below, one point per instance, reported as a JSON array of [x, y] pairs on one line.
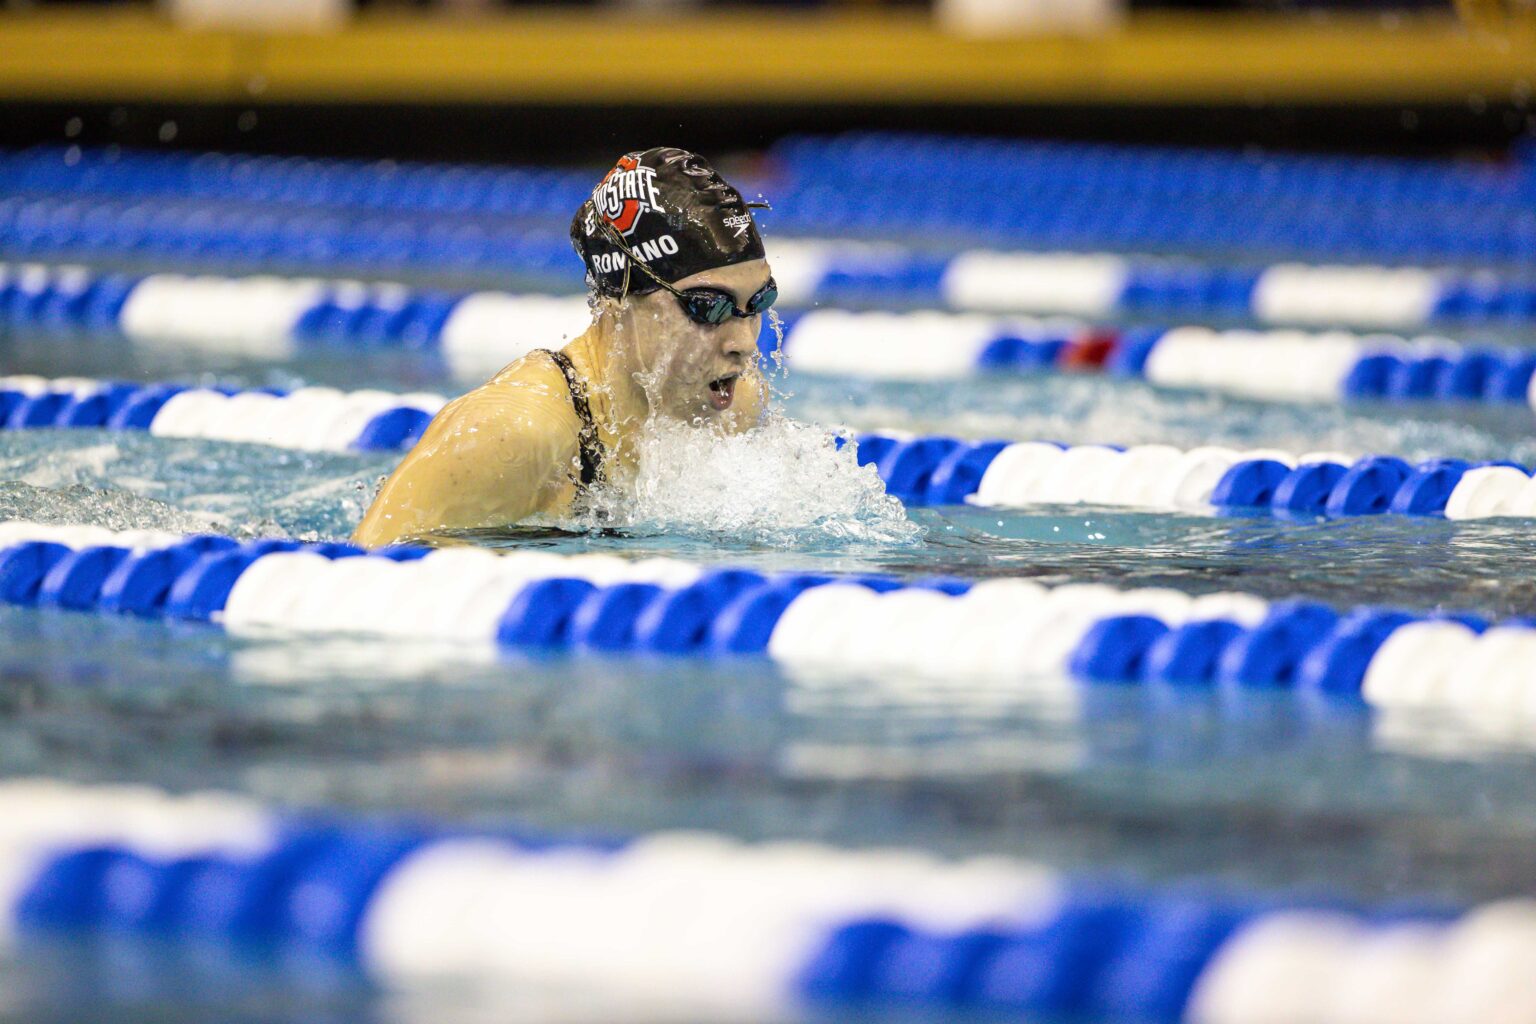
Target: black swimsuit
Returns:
[[591, 445]]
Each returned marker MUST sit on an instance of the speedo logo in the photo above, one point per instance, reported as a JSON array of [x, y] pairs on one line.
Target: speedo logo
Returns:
[[628, 191], [645, 252], [739, 224]]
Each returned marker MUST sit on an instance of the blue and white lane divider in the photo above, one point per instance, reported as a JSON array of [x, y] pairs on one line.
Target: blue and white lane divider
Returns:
[[933, 345], [917, 470], [310, 419], [452, 593], [1015, 629], [1274, 364], [829, 272], [477, 334], [187, 213], [1103, 284], [936, 629], [1330, 366], [1165, 199], [1097, 284], [274, 317], [703, 923], [480, 332], [1164, 186], [407, 187], [1043, 194], [1001, 474]]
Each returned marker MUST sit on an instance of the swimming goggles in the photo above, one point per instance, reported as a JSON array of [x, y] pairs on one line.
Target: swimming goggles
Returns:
[[712, 306], [702, 305]]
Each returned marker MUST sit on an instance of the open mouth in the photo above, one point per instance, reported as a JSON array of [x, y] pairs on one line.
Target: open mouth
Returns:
[[722, 390]]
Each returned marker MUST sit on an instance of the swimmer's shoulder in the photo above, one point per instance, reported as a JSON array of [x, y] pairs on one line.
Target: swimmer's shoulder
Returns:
[[528, 399], [536, 370], [524, 413], [533, 384]]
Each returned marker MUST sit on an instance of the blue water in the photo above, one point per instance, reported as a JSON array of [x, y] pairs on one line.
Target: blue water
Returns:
[[1265, 790]]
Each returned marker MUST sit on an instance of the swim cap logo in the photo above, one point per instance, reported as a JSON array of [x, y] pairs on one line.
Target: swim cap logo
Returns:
[[625, 193], [739, 223]]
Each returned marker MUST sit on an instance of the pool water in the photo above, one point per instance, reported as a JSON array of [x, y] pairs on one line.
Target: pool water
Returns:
[[1265, 790]]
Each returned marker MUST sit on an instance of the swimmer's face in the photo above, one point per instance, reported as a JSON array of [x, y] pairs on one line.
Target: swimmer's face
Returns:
[[693, 371]]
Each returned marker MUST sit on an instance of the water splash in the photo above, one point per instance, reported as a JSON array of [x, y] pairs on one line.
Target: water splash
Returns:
[[112, 508], [131, 479], [783, 483]]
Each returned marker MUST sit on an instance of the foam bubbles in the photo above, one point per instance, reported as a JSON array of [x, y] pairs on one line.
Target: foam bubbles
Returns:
[[133, 480], [111, 508], [781, 483]]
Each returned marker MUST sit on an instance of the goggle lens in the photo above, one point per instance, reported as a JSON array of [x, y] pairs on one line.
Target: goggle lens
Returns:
[[764, 299], [707, 306]]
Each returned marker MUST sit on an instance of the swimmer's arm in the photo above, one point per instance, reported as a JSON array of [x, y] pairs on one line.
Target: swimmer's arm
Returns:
[[493, 457]]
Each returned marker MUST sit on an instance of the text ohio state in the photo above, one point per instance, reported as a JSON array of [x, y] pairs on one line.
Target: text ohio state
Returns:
[[621, 186]]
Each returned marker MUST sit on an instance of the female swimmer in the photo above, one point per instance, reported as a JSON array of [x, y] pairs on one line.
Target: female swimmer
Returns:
[[679, 282]]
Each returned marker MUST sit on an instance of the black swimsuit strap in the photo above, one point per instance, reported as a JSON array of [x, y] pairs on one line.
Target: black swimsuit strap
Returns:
[[591, 446]]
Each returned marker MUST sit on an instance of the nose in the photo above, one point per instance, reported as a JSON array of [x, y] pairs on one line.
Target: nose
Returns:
[[738, 339]]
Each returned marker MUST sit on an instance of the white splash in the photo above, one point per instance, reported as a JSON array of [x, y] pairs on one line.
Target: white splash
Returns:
[[781, 483], [77, 504]]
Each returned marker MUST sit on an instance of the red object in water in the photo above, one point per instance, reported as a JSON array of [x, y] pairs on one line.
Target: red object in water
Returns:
[[1088, 351]]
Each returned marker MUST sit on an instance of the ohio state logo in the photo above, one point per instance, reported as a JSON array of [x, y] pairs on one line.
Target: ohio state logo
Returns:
[[625, 193]]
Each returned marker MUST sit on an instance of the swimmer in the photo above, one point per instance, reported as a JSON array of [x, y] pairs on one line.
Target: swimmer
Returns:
[[678, 282]]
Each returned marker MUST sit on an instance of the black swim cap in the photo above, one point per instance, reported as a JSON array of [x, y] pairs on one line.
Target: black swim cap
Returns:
[[673, 212]]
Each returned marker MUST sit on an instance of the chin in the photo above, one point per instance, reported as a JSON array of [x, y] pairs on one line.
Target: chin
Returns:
[[691, 411]]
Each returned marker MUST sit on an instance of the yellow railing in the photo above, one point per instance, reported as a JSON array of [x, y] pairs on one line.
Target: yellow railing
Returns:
[[837, 56]]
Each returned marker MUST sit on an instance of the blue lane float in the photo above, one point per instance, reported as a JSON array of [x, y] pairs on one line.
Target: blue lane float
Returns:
[[1000, 474], [1332, 366], [917, 470], [277, 318], [311, 419], [424, 902], [1403, 196], [540, 603], [387, 186], [1044, 196], [1274, 364], [1083, 195], [211, 232], [1044, 277]]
